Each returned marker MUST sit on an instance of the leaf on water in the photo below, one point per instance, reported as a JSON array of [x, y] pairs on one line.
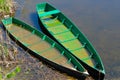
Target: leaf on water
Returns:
[[12, 74], [18, 69]]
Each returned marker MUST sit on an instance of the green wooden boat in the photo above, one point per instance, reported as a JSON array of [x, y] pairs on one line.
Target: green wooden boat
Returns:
[[62, 30], [44, 48]]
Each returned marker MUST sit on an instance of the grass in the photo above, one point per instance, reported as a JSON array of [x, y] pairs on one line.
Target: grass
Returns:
[[4, 7], [7, 7]]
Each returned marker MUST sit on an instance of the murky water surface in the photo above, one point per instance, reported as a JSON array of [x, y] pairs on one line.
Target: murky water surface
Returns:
[[99, 20]]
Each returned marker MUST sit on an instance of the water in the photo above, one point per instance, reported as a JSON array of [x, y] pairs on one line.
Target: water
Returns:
[[99, 20]]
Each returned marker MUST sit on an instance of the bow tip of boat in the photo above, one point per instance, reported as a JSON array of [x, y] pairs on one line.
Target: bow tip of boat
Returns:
[[86, 72]]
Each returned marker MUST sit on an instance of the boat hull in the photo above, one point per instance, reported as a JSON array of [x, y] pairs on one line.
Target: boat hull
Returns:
[[70, 72], [94, 72], [46, 61]]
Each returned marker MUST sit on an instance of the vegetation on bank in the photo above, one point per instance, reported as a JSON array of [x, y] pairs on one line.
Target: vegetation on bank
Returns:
[[8, 62], [7, 7]]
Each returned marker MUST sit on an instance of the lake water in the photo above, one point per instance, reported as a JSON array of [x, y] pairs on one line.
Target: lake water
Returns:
[[99, 20]]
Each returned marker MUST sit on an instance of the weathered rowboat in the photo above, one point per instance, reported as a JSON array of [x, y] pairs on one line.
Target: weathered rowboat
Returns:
[[44, 48], [62, 30]]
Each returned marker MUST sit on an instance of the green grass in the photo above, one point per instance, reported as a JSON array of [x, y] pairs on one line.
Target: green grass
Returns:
[[4, 7], [7, 7]]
